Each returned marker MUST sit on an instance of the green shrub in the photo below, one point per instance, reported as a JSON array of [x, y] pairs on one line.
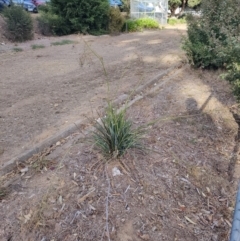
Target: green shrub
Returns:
[[19, 24], [212, 37], [52, 24], [131, 26], [114, 134], [126, 6], [213, 40], [233, 75], [116, 20], [236, 88], [134, 25], [174, 21], [78, 16], [147, 23]]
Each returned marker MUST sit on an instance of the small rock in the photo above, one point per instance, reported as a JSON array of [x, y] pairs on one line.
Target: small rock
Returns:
[[60, 200], [58, 143], [24, 170], [48, 214], [122, 220], [58, 227], [214, 237], [145, 237], [116, 172], [154, 228]]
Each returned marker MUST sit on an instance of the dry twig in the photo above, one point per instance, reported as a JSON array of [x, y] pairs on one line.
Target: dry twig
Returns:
[[108, 193]]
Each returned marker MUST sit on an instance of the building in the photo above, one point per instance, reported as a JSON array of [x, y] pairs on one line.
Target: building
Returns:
[[157, 9]]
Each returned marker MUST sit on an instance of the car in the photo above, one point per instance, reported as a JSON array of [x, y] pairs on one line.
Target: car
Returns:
[[114, 3], [4, 3], [29, 6], [39, 2], [26, 4]]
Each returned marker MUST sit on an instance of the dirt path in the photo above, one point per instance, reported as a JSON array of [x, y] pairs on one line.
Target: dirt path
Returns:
[[44, 90]]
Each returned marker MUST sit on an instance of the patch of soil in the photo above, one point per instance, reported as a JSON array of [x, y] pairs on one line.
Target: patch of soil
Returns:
[[46, 89], [178, 190]]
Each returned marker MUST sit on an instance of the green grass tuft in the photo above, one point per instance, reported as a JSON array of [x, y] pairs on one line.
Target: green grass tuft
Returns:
[[114, 134], [63, 42], [17, 49], [37, 46]]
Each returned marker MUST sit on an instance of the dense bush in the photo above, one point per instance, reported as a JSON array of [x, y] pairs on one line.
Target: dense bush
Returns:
[[116, 20], [126, 6], [19, 24], [134, 25], [79, 15], [213, 40], [52, 24], [61, 18]]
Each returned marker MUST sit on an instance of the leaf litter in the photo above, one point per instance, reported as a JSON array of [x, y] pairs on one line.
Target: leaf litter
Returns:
[[178, 190]]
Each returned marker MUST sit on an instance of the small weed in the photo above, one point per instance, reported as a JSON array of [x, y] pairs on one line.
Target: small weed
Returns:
[[114, 134], [39, 164], [63, 42], [193, 141], [174, 21], [3, 193], [17, 49], [98, 32], [37, 46]]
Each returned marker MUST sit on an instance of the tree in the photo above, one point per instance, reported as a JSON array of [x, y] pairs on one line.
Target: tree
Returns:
[[174, 4], [126, 6], [81, 15], [193, 3]]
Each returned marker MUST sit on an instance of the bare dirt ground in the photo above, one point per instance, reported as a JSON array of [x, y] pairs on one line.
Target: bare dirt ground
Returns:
[[44, 90], [180, 189]]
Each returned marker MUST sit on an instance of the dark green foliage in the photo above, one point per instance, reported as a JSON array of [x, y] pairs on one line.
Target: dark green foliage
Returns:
[[212, 38], [80, 15], [98, 32], [126, 6], [50, 23], [114, 134], [19, 24], [193, 3], [134, 25], [116, 20], [173, 5]]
